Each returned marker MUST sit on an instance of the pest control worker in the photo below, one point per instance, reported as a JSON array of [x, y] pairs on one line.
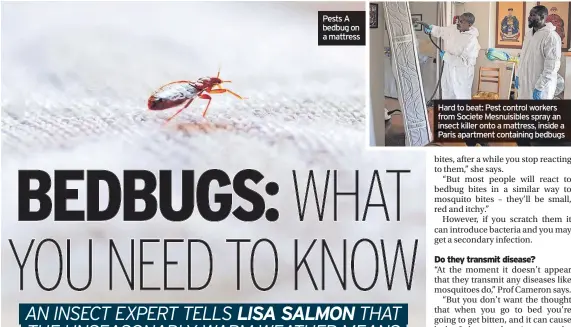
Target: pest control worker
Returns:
[[540, 60], [461, 50]]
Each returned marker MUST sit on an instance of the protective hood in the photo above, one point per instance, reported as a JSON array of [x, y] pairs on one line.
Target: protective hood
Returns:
[[474, 31], [546, 29]]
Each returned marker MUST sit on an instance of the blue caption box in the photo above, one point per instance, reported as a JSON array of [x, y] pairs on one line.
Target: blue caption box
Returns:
[[212, 315]]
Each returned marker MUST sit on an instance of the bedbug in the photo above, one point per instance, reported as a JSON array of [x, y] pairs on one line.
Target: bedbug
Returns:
[[184, 92]]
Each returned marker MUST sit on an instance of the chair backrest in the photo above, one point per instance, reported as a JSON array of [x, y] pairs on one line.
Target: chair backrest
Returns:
[[486, 76]]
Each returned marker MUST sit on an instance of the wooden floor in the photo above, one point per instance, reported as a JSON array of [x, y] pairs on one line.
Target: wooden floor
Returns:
[[394, 132]]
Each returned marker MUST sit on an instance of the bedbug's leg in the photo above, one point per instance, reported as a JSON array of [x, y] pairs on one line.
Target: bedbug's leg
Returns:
[[206, 97], [217, 91], [179, 111]]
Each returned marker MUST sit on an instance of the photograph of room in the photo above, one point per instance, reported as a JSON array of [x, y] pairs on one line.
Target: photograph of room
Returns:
[[406, 70]]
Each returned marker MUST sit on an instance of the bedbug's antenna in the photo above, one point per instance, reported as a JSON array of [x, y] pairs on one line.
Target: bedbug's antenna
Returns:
[[218, 76]]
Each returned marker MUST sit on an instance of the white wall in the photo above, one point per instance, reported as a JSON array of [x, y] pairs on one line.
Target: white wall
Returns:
[[485, 20], [428, 11]]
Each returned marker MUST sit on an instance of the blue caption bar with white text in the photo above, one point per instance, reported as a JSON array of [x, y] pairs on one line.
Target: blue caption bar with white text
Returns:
[[212, 315]]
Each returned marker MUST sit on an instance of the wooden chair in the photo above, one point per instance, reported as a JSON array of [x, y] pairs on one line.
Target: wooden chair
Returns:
[[486, 77]]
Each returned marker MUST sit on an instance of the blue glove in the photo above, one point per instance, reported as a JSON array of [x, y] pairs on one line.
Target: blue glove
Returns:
[[428, 30], [516, 84], [536, 94], [442, 54]]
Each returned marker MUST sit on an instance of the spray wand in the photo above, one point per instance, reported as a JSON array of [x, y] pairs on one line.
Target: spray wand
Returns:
[[427, 31]]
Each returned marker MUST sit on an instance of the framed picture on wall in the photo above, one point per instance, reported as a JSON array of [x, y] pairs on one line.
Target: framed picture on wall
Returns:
[[559, 16], [373, 15], [416, 18], [511, 22]]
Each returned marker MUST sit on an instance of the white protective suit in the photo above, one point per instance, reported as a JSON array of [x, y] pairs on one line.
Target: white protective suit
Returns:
[[539, 63], [462, 49]]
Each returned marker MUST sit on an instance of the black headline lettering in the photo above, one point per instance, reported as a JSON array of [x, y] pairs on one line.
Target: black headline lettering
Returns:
[[312, 261], [194, 259], [252, 252], [375, 188], [129, 194], [541, 121], [374, 262]]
